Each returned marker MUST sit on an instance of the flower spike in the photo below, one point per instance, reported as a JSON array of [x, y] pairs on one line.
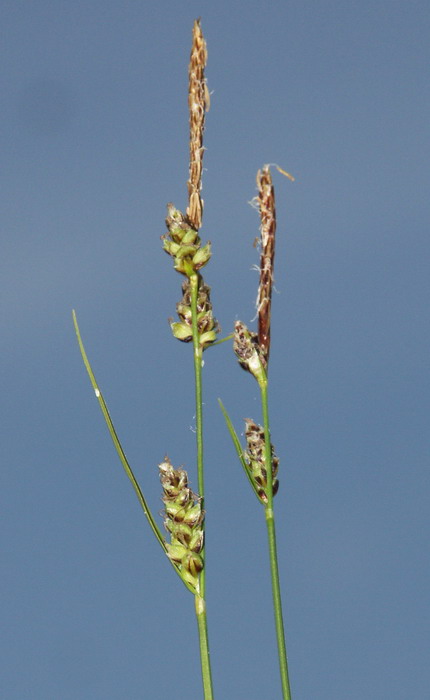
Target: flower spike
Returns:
[[183, 518]]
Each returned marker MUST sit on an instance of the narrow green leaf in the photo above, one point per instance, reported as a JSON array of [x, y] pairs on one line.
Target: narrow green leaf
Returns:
[[238, 448], [127, 468]]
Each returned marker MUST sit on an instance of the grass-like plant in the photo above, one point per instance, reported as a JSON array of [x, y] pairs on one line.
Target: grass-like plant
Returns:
[[252, 349], [184, 511]]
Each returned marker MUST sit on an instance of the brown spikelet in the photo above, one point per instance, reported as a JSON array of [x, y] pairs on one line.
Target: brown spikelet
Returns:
[[198, 103], [266, 205]]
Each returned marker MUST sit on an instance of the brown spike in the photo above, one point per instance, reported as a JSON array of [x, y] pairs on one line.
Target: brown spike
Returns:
[[266, 204], [198, 103]]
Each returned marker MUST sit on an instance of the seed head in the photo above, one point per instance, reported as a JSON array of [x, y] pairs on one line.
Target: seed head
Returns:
[[198, 103], [183, 518], [266, 204], [256, 460]]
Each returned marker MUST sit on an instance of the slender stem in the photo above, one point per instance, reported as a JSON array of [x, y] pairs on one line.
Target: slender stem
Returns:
[[223, 340], [200, 597], [271, 534], [204, 647], [198, 356]]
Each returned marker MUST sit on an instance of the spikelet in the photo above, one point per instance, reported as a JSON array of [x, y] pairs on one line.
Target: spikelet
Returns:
[[198, 103], [255, 458], [207, 325], [247, 351], [183, 518], [266, 205]]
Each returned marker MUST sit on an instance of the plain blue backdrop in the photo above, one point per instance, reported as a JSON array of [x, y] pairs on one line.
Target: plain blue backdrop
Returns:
[[94, 142]]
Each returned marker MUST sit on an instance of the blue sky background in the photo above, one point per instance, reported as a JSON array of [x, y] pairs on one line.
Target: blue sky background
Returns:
[[94, 142]]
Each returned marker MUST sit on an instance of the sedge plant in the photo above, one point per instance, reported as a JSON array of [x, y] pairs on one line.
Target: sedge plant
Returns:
[[184, 510], [252, 350]]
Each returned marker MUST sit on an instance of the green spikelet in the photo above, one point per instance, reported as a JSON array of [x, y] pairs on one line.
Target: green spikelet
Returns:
[[207, 325], [183, 243], [254, 456], [183, 518]]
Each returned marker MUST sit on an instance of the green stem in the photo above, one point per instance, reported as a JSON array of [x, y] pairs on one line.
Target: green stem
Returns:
[[198, 357], [200, 597], [271, 534], [204, 647], [223, 340]]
